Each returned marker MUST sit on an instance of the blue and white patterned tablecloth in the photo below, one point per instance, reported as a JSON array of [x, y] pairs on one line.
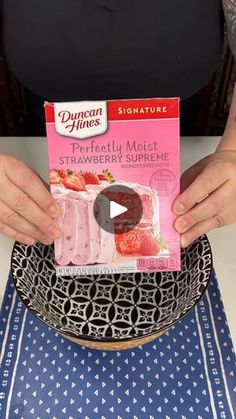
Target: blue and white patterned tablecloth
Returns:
[[188, 373]]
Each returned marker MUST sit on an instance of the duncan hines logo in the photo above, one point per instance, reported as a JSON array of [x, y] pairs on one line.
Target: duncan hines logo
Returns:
[[81, 119]]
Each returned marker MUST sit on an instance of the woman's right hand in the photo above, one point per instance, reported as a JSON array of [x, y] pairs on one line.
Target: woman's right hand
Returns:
[[27, 209]]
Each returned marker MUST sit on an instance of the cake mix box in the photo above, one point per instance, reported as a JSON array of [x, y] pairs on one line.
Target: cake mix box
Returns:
[[114, 170]]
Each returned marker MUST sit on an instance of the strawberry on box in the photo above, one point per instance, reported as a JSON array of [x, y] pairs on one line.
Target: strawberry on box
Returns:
[[74, 181]]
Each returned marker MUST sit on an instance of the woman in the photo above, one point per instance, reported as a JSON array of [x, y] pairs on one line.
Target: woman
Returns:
[[103, 49]]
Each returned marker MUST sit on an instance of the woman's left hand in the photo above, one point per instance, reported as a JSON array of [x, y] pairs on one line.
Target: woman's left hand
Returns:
[[208, 198]]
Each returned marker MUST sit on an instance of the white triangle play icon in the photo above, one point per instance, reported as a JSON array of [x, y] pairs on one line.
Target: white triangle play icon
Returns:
[[116, 209]]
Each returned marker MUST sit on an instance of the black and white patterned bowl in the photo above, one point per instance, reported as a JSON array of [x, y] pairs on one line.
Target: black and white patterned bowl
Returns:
[[115, 311]]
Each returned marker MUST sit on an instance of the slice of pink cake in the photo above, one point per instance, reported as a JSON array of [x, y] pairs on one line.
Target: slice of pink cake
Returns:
[[150, 204], [83, 242]]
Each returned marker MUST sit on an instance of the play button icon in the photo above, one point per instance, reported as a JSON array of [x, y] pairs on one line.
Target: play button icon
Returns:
[[117, 209]]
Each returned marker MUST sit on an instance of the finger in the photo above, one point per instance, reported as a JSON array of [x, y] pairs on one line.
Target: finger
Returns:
[[15, 235], [47, 186], [15, 221], [209, 180], [201, 228], [190, 174], [28, 181], [209, 207], [21, 203]]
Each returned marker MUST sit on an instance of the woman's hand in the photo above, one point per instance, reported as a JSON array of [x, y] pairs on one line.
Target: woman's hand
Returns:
[[27, 208], [208, 198]]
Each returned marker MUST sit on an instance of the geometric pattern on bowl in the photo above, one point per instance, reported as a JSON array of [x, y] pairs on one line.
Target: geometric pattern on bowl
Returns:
[[109, 307]]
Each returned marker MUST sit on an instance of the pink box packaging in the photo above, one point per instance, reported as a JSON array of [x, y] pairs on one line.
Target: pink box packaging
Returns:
[[114, 170]]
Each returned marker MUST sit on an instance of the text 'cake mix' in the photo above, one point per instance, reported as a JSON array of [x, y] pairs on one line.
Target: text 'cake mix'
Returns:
[[114, 170]]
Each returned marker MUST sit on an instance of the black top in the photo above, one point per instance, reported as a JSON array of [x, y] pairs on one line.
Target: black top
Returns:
[[96, 49]]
